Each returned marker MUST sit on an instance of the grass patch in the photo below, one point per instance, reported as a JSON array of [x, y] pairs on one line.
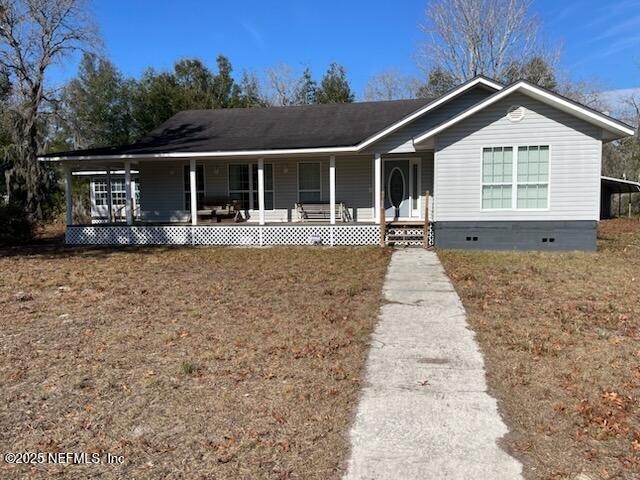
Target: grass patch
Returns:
[[560, 333], [191, 363], [188, 368]]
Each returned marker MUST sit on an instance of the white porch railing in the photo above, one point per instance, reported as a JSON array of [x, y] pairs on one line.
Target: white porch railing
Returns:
[[256, 235]]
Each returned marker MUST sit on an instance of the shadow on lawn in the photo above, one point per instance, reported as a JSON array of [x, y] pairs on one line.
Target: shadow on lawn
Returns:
[[53, 246]]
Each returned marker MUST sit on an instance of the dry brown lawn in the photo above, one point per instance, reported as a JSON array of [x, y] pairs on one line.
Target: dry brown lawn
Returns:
[[561, 337], [191, 363]]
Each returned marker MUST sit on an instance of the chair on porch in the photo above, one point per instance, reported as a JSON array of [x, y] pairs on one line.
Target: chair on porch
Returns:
[[321, 212]]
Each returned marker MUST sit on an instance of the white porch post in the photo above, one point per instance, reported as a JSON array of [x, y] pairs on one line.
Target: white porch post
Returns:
[[261, 189], [134, 205], [127, 190], [377, 169], [193, 191], [68, 197], [332, 189], [109, 196]]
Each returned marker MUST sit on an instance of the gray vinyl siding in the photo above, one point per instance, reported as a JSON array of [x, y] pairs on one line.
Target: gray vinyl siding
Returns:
[[401, 141], [354, 186], [162, 191], [575, 162]]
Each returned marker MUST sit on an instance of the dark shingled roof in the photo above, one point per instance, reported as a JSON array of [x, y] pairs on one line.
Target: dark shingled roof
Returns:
[[305, 126]]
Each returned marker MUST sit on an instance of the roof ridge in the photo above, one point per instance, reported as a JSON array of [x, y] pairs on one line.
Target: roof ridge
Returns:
[[310, 105]]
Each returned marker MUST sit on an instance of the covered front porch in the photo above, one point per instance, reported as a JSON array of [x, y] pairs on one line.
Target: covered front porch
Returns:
[[333, 200]]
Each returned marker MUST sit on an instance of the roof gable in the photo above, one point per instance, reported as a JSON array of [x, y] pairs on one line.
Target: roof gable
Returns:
[[616, 128]]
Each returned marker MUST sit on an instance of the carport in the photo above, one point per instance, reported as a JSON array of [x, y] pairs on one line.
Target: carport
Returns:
[[611, 186]]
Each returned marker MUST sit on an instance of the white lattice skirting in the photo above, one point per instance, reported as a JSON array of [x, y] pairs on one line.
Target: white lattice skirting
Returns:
[[223, 235], [415, 235]]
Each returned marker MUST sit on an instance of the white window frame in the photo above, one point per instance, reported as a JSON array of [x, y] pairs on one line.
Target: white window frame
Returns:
[[122, 193], [514, 178], [319, 190], [251, 191], [517, 183], [99, 194]]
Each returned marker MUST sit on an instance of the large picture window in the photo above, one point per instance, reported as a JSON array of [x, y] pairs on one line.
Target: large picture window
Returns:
[[515, 178], [199, 187], [243, 185], [497, 173], [309, 189]]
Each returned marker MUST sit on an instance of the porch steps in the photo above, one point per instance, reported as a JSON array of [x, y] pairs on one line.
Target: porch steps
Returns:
[[404, 234]]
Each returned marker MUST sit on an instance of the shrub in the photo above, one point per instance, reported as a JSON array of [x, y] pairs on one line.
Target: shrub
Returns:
[[15, 225]]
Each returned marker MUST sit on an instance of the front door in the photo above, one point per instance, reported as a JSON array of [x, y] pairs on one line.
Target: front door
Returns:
[[397, 198]]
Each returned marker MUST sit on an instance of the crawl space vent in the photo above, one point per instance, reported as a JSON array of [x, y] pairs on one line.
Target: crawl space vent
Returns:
[[516, 113]]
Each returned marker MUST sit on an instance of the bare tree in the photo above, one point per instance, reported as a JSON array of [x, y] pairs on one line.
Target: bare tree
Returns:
[[477, 37], [631, 114], [281, 84], [586, 92], [34, 35], [390, 85]]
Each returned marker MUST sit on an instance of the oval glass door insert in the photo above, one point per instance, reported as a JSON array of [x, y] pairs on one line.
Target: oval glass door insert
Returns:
[[396, 187]]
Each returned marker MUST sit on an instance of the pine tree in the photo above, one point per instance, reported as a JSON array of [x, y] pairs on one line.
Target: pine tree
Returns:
[[305, 92], [96, 107], [334, 87]]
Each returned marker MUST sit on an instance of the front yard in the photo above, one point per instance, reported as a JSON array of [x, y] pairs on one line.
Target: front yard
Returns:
[[190, 363], [561, 338]]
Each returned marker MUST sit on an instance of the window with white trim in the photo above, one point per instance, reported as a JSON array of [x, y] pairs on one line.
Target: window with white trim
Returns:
[[533, 177], [497, 177], [199, 186], [118, 192], [100, 192], [243, 185], [309, 189]]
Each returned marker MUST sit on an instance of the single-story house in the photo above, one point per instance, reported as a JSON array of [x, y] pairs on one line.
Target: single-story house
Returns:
[[484, 166]]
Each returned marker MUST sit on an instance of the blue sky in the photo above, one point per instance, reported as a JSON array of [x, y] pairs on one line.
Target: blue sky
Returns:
[[601, 39]]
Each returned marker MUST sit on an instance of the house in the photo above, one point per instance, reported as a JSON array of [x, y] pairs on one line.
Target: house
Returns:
[[486, 166]]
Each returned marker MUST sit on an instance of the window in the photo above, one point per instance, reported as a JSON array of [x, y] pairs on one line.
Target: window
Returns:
[[533, 177], [100, 192], [530, 187], [118, 192], [497, 173], [243, 185], [199, 186], [309, 182]]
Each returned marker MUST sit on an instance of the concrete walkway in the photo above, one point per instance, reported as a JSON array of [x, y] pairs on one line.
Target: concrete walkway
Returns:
[[425, 412]]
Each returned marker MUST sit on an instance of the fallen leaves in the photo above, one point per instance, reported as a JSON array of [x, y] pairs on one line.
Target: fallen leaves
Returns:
[[559, 333]]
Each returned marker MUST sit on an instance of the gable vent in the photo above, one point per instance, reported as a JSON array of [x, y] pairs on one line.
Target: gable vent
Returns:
[[516, 113]]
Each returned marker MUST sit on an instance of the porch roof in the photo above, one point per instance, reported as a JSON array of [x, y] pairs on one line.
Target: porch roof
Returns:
[[619, 185]]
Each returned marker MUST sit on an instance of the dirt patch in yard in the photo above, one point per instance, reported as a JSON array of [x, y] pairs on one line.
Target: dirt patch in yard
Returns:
[[190, 363], [561, 337]]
